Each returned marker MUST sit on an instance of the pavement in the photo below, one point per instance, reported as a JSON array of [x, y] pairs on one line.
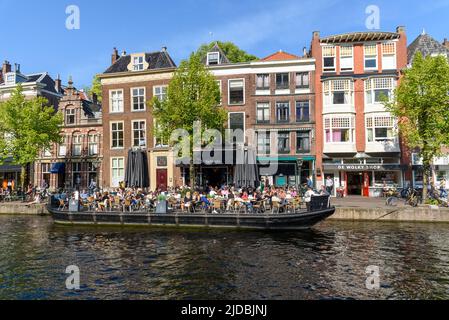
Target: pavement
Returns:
[[362, 202]]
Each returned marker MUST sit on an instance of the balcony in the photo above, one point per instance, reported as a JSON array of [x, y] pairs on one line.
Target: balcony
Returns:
[[338, 108]]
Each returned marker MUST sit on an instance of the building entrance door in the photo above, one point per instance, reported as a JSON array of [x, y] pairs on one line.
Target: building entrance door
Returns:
[[355, 183], [161, 179]]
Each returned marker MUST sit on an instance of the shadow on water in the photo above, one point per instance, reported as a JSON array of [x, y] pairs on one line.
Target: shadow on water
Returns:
[[328, 262]]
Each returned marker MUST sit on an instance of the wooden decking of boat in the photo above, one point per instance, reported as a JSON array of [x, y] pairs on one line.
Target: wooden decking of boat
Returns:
[[320, 210]]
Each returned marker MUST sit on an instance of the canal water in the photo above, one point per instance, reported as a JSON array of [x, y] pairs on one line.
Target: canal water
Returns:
[[329, 262]]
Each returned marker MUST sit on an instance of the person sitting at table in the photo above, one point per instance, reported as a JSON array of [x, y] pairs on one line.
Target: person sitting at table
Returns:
[[84, 195]]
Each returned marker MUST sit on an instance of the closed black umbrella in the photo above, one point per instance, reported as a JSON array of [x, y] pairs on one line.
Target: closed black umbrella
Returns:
[[247, 173], [137, 170]]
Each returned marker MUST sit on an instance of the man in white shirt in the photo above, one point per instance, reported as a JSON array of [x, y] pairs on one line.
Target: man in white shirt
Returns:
[[329, 185]]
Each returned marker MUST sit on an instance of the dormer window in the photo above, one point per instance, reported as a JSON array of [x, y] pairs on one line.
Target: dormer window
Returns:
[[213, 58], [138, 63]]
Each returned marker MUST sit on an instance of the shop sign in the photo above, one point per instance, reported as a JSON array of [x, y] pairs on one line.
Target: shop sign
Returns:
[[362, 167]]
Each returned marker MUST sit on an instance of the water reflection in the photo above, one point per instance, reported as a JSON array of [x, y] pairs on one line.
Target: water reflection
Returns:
[[327, 262]]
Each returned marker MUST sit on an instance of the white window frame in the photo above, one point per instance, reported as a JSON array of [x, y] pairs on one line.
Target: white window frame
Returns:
[[95, 142], [72, 113], [329, 56], [63, 146], [269, 81], [117, 168], [220, 85], [351, 129], [370, 89], [213, 53], [111, 101], [373, 118], [266, 133], [158, 95], [300, 76], [76, 144], [351, 57], [365, 57], [229, 92], [112, 135], [140, 65], [328, 92], [144, 99], [392, 56], [134, 133]]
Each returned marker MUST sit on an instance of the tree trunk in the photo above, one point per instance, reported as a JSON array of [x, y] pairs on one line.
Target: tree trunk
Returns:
[[426, 179], [23, 175]]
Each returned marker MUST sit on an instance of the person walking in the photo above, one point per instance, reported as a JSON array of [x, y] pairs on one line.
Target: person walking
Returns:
[[329, 185]]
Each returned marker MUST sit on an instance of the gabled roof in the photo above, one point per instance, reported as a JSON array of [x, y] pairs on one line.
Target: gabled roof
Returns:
[[216, 48], [361, 37], [156, 60], [281, 56], [42, 78], [427, 46]]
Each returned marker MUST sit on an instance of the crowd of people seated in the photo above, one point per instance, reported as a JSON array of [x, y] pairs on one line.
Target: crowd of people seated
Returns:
[[183, 199]]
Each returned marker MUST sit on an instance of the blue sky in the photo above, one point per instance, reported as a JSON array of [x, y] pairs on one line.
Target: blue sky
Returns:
[[34, 32]]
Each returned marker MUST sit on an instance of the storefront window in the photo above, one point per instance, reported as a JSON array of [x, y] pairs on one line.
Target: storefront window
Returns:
[[388, 178]]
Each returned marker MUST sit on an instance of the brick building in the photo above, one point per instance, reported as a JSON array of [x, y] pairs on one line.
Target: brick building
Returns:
[[77, 161], [357, 140], [34, 85], [128, 84], [272, 100]]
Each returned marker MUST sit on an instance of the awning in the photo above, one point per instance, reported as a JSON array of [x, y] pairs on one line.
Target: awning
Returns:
[[58, 167], [285, 159], [10, 168]]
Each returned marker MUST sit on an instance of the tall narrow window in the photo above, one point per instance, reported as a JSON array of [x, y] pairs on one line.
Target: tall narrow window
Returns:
[[263, 112], [263, 143], [117, 135], [282, 81], [284, 142], [160, 92], [63, 147], [93, 144], [302, 111], [116, 101], [70, 116], [263, 82], [371, 57], [302, 80], [346, 58], [389, 56], [283, 112], [138, 97], [236, 92], [303, 142], [76, 173], [77, 144], [117, 170], [329, 58], [139, 134]]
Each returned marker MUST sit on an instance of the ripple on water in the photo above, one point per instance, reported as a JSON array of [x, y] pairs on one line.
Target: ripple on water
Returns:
[[326, 263]]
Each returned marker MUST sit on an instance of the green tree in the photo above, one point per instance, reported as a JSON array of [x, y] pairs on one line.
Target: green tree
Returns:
[[232, 51], [96, 88], [27, 127], [193, 95], [422, 106]]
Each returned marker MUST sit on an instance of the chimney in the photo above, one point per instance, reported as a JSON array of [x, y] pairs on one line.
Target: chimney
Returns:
[[58, 83], [316, 34], [94, 98], [124, 53], [446, 43], [164, 49], [6, 68], [115, 56], [400, 29]]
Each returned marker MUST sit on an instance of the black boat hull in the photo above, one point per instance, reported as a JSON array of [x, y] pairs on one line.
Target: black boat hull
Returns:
[[297, 221]]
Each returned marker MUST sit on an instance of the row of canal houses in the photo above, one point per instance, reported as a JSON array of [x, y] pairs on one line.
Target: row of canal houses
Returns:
[[318, 114]]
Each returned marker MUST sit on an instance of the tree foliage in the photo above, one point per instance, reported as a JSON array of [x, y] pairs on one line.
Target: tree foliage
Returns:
[[96, 88], [27, 126], [422, 106], [193, 95], [232, 52]]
